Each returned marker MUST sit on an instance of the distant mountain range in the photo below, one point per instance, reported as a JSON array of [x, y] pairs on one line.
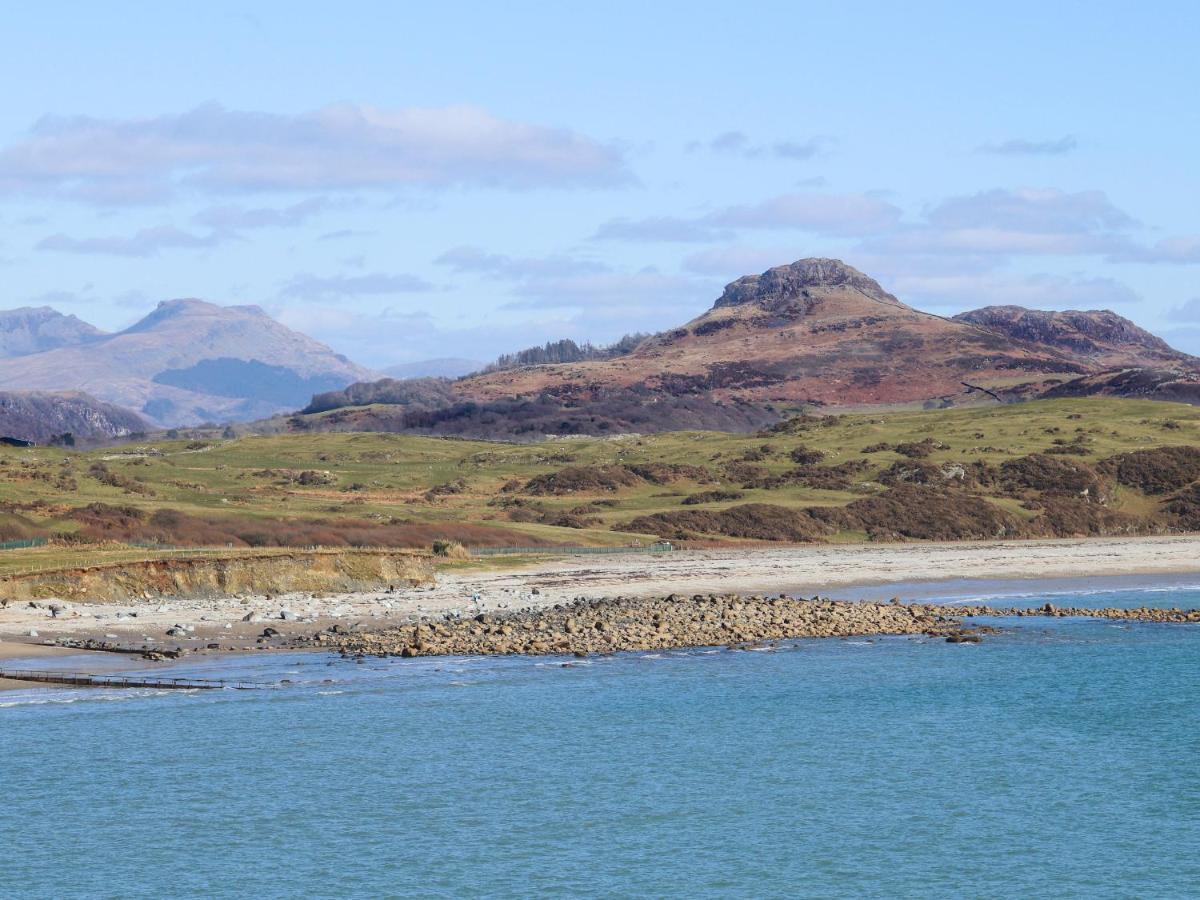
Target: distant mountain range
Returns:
[[188, 361], [815, 334]]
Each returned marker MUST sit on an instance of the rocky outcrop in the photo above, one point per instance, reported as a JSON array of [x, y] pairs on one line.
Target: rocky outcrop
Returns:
[[784, 283]]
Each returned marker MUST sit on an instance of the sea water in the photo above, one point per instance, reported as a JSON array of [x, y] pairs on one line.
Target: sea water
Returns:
[[1059, 759]]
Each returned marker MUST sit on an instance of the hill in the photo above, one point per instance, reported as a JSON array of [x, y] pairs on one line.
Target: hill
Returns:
[[1043, 468], [813, 334], [41, 417], [190, 361]]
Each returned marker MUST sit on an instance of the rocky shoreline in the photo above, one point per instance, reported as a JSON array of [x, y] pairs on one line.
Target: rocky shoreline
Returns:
[[609, 625]]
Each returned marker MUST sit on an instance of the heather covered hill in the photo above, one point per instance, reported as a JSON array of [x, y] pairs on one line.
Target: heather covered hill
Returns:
[[190, 361], [813, 334], [819, 331]]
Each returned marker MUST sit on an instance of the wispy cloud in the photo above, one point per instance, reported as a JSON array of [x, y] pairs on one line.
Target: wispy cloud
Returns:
[[1021, 147], [144, 243], [315, 288], [832, 215], [1187, 312], [657, 228], [738, 143], [231, 217], [475, 260], [1037, 291], [336, 148]]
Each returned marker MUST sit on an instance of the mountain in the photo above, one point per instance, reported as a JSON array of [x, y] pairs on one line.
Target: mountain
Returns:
[[32, 329], [190, 361], [815, 333], [37, 416], [445, 367], [820, 332]]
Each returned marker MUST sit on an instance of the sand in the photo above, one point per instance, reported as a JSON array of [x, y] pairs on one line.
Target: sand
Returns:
[[795, 569]]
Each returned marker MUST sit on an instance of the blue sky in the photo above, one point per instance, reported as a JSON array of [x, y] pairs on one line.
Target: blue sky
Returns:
[[410, 181]]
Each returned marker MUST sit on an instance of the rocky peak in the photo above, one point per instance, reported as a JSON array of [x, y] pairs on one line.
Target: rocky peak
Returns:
[[785, 283]]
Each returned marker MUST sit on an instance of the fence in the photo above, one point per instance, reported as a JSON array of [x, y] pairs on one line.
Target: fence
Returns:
[[22, 544], [663, 547]]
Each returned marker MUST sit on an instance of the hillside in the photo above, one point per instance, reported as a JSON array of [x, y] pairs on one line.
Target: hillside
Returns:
[[813, 334], [190, 361], [820, 332], [1044, 468], [40, 417]]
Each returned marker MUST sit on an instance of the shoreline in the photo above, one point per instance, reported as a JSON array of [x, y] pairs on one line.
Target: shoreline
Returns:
[[257, 622]]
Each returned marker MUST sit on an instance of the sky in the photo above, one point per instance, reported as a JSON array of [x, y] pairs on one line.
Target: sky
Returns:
[[409, 181]]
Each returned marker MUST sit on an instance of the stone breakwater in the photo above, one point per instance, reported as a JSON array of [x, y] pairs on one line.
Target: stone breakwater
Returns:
[[1138, 614], [610, 625]]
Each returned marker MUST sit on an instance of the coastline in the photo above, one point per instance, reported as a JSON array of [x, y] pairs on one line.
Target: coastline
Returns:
[[240, 623]]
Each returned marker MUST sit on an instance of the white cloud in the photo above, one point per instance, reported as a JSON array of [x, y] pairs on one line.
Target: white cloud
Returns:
[[336, 148]]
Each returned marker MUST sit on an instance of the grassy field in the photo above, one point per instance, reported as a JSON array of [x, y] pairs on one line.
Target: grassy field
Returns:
[[423, 488]]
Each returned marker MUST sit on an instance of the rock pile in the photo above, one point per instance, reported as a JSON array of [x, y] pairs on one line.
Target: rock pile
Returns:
[[609, 625]]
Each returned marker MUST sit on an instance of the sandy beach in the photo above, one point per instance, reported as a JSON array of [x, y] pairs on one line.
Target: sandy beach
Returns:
[[233, 623]]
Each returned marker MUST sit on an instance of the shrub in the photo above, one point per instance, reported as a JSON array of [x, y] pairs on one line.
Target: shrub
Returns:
[[1157, 471], [759, 521], [450, 550], [925, 513], [711, 497], [583, 479]]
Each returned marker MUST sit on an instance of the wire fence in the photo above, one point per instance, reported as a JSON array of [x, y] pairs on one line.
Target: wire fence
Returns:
[[23, 544]]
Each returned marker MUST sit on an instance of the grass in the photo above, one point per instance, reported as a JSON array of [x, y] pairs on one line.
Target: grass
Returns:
[[378, 478]]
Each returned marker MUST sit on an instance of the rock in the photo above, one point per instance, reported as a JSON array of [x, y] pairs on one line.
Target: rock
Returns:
[[270, 632], [287, 615], [176, 632], [32, 632]]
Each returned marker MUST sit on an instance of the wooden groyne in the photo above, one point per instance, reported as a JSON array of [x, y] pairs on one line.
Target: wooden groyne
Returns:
[[81, 679]]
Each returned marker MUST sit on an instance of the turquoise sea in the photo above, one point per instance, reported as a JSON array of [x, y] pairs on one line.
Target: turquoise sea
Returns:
[[1060, 759]]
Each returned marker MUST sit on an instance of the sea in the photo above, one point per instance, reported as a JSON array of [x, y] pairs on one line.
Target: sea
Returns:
[[1060, 758]]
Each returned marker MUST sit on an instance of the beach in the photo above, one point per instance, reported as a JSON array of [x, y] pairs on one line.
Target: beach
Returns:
[[260, 622]]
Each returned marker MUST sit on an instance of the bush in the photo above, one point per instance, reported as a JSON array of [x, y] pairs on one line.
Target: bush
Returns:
[[759, 521], [1050, 474], [583, 479], [450, 550], [925, 513], [711, 497], [1158, 471]]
